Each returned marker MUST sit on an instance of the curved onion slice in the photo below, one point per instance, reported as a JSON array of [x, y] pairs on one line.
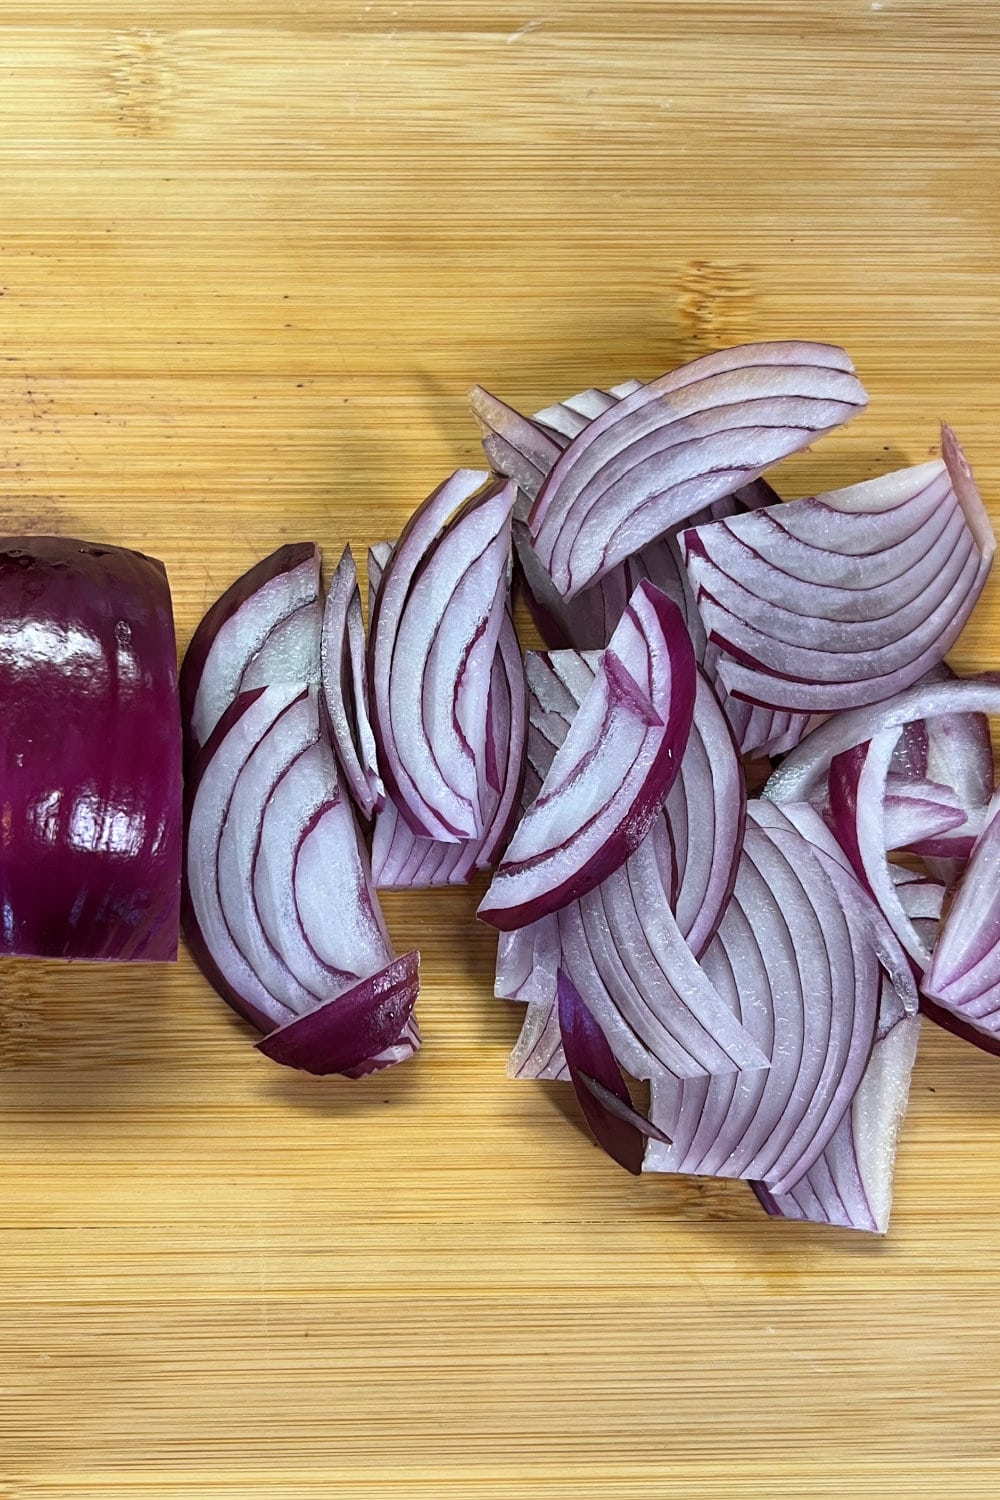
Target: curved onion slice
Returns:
[[678, 444], [281, 913], [400, 858], [803, 977], [434, 634], [801, 775], [262, 631], [917, 812], [850, 1185], [964, 974], [836, 601], [612, 772], [621, 943], [90, 753], [345, 687], [365, 1028], [617, 1126]]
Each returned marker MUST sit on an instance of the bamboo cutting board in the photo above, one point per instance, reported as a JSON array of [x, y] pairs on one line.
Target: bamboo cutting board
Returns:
[[251, 255]]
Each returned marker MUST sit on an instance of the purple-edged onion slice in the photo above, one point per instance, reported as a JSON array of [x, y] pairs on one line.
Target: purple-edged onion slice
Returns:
[[964, 975], [680, 443], [850, 1185], [434, 634], [845, 599], [281, 913], [263, 630], [621, 944], [617, 1125], [612, 772], [803, 977], [365, 1028], [345, 687], [802, 774], [90, 753], [401, 858]]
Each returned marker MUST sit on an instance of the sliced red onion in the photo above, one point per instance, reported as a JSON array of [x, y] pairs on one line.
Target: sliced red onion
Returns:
[[801, 776], [845, 599], [680, 443], [434, 634], [90, 754], [281, 915], [345, 687], [538, 1051], [400, 858], [850, 1185], [621, 943], [857, 798], [262, 631], [617, 1126], [917, 811], [379, 554], [557, 682], [612, 772], [964, 975], [364, 1028], [803, 978]]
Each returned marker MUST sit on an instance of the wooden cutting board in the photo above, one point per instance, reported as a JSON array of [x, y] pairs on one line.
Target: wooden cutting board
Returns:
[[251, 256]]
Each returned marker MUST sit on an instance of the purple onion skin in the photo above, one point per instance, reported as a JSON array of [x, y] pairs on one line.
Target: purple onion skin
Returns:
[[345, 1033], [90, 753], [284, 560], [958, 1026], [590, 1057]]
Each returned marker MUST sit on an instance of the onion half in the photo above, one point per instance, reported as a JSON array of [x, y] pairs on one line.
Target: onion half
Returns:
[[90, 754]]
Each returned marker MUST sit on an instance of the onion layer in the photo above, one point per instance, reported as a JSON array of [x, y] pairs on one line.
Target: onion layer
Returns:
[[345, 687], [964, 975]]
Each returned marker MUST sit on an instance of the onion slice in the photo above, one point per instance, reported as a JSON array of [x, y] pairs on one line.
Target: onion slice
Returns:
[[612, 772], [263, 630], [401, 858], [801, 776], [679, 443], [90, 754], [366, 1024], [803, 977], [617, 1126], [850, 1185], [832, 602], [964, 974], [345, 687], [434, 634], [281, 914]]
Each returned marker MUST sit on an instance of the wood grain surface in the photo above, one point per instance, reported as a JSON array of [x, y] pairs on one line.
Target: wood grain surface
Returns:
[[251, 256]]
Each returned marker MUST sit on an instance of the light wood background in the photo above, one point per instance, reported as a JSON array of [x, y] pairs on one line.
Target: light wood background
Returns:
[[251, 255]]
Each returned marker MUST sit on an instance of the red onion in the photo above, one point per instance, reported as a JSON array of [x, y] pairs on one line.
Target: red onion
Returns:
[[401, 858], [281, 913], [830, 603], [604, 1098], [262, 631], [90, 760], [434, 634], [964, 974], [794, 965], [679, 443], [611, 773], [345, 687]]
